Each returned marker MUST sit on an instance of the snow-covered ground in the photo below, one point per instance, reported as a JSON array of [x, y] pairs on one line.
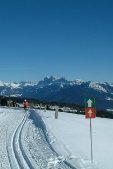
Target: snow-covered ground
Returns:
[[70, 136], [36, 140]]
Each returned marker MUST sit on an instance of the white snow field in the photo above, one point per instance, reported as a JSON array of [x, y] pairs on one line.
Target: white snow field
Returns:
[[36, 140], [23, 143]]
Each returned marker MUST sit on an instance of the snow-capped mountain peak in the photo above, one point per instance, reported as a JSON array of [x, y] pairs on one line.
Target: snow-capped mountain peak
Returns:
[[97, 86], [62, 90]]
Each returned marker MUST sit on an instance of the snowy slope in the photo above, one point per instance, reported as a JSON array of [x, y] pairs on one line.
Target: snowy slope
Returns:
[[70, 136], [36, 140], [23, 144]]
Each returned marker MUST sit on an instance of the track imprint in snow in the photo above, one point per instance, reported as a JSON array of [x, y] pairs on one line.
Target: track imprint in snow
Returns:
[[24, 142], [18, 157]]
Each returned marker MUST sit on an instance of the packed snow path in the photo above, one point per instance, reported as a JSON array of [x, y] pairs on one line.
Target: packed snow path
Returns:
[[24, 144]]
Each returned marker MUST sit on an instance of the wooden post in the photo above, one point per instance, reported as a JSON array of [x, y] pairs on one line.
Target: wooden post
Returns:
[[40, 106], [45, 108], [56, 112]]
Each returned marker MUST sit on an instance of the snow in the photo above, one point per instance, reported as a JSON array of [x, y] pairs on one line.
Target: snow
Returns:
[[1, 84], [36, 140], [70, 135], [30, 84], [97, 86], [108, 98], [14, 85], [110, 110], [77, 82], [61, 85], [111, 84], [3, 91], [15, 95]]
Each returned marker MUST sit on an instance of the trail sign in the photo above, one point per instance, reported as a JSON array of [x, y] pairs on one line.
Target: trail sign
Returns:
[[90, 108], [90, 102], [90, 112]]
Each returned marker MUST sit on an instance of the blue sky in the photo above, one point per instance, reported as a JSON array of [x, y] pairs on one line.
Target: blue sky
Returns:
[[63, 38]]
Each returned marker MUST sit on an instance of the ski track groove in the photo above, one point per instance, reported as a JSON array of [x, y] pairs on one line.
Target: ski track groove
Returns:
[[18, 154], [18, 158]]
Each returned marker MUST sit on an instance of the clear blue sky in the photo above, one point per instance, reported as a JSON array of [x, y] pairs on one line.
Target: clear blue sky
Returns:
[[63, 38]]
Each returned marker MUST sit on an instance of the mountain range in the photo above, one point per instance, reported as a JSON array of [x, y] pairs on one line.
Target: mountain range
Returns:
[[62, 90]]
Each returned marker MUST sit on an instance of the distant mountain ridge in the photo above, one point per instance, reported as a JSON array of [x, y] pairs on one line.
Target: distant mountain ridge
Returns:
[[62, 90]]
